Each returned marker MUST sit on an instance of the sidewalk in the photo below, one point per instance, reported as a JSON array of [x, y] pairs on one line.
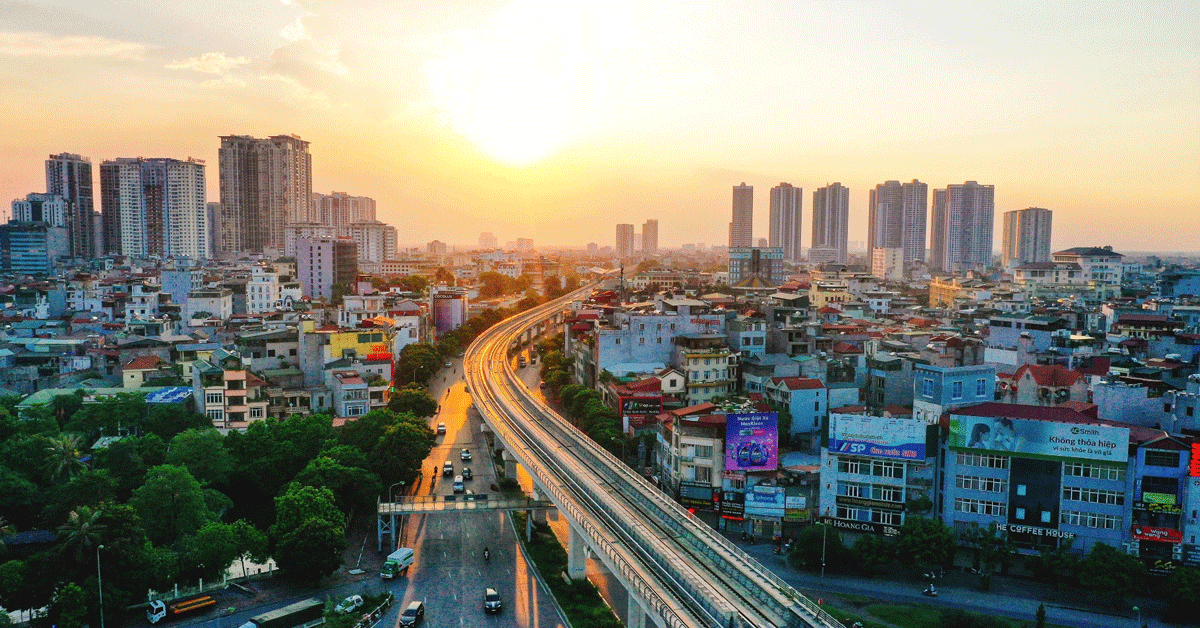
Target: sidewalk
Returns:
[[1012, 597]]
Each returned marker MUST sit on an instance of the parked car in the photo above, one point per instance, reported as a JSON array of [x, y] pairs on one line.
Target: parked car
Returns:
[[491, 601], [413, 613], [349, 604], [466, 454]]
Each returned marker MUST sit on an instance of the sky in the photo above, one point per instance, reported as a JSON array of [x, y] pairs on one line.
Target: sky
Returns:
[[557, 120]]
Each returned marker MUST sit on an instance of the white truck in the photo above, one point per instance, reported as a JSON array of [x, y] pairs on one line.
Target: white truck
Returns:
[[397, 563]]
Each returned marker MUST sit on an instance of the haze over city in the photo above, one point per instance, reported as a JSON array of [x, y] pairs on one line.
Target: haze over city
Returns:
[[529, 119]]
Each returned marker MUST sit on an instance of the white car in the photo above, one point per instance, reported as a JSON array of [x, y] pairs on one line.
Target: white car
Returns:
[[349, 604], [466, 454]]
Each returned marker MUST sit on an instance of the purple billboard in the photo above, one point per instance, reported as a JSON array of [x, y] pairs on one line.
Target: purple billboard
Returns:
[[752, 442]]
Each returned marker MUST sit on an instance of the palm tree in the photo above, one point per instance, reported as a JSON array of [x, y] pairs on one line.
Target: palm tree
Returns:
[[83, 532], [62, 456]]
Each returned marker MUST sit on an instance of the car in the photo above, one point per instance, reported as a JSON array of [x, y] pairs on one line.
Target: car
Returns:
[[491, 601], [466, 473], [448, 468], [413, 613], [348, 604], [441, 429], [458, 484], [541, 384], [448, 364], [466, 454]]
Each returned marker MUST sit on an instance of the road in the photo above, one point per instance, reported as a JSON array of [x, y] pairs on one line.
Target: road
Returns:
[[449, 573]]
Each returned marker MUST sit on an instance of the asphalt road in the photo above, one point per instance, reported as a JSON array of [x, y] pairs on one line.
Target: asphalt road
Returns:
[[449, 573]]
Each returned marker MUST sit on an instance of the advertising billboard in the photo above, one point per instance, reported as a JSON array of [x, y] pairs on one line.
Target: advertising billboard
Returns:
[[882, 437], [1151, 533], [765, 502], [732, 505], [1040, 439], [752, 441], [641, 405]]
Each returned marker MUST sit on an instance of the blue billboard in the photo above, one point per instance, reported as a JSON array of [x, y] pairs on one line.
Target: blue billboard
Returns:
[[882, 437], [752, 442]]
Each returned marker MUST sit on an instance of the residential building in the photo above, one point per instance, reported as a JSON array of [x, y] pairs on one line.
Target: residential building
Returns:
[[376, 240], [70, 176], [831, 222], [650, 236], [888, 263], [350, 395], [807, 400], [447, 307], [787, 204], [741, 227], [897, 215], [1043, 385], [487, 241], [265, 185], [763, 263], [963, 215], [747, 335], [1099, 264], [227, 392], [32, 248], [341, 210], [625, 241], [155, 207], [51, 209], [709, 365], [940, 389], [208, 303], [690, 454], [324, 265], [1026, 237]]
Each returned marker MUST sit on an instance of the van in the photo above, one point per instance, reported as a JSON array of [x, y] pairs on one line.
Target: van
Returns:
[[458, 484]]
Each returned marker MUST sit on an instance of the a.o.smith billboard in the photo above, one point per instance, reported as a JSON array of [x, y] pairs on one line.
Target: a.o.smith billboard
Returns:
[[1040, 439]]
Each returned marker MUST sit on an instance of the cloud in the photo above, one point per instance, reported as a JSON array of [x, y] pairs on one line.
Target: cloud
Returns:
[[47, 46], [225, 82], [296, 30], [209, 63]]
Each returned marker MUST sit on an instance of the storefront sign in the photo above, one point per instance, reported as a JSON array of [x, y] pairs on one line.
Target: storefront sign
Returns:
[[1191, 555], [859, 526], [1034, 530], [765, 502], [795, 501], [869, 503], [1194, 463], [1163, 535], [1158, 498], [732, 505], [696, 495], [1166, 509]]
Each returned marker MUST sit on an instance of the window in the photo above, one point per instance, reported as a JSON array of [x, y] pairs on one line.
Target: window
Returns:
[[816, 406], [704, 474], [981, 388], [1022, 490], [886, 517], [256, 412], [1045, 516], [886, 469], [1093, 495], [1088, 520], [853, 514], [927, 387], [956, 390], [216, 415], [1190, 410], [853, 490], [1020, 514], [641, 341], [660, 340], [616, 341], [1098, 471], [849, 466], [986, 461], [1169, 486], [1159, 458], [214, 397], [980, 507], [976, 483], [704, 451]]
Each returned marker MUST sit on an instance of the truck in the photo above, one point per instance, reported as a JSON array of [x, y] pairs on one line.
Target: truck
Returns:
[[303, 614], [160, 610], [397, 563]]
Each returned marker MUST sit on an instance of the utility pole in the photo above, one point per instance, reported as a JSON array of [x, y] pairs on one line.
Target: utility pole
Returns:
[[100, 584]]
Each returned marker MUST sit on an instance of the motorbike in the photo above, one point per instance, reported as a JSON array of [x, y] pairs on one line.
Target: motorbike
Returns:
[[778, 549], [487, 555], [930, 591]]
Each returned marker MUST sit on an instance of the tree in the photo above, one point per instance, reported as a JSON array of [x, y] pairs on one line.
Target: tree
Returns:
[[991, 550], [417, 363], [400, 452], [414, 400], [169, 419], [123, 462], [1111, 573], [82, 533], [90, 488], [1056, 565], [871, 553], [203, 454], [925, 542], [1182, 591], [63, 453], [364, 433], [215, 546], [307, 535], [21, 498], [70, 605], [1040, 617], [350, 485], [816, 544], [442, 275], [171, 504]]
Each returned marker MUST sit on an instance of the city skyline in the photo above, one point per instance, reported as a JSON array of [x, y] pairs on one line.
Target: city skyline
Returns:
[[1086, 109]]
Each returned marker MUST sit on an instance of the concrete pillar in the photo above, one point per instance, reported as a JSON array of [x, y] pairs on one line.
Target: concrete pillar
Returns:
[[636, 614], [539, 515], [576, 554], [510, 466]]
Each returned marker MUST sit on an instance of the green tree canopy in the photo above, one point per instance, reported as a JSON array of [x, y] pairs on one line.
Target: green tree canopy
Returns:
[[1182, 591], [925, 542], [90, 488], [202, 453], [307, 535], [217, 545], [1111, 573], [414, 400], [400, 452], [351, 486], [63, 453], [171, 504], [416, 364]]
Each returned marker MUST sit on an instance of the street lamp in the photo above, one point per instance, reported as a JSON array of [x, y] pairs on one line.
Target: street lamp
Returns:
[[824, 533], [100, 584], [1135, 609], [400, 483]]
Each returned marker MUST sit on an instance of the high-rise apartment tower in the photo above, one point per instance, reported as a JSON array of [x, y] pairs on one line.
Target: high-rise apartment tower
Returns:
[[650, 236], [897, 218], [625, 241], [962, 227], [741, 229], [1026, 236], [265, 184], [70, 176], [787, 205], [831, 223], [156, 206]]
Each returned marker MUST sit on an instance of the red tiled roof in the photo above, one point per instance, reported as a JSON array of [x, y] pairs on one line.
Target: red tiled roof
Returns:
[[143, 363], [1098, 366], [650, 384], [849, 409], [1082, 407], [798, 383], [845, 347], [1053, 376], [829, 309], [1144, 318], [896, 410]]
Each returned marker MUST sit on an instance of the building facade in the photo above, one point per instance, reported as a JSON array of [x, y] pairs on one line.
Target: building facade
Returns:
[[787, 204], [341, 210], [650, 236], [70, 176], [265, 185], [963, 218], [897, 216], [831, 221], [1026, 237], [325, 264], [624, 241], [155, 206], [741, 227]]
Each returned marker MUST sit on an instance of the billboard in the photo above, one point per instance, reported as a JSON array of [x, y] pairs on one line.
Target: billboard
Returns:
[[882, 437], [1040, 439], [1151, 533], [752, 442], [641, 405], [765, 501]]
